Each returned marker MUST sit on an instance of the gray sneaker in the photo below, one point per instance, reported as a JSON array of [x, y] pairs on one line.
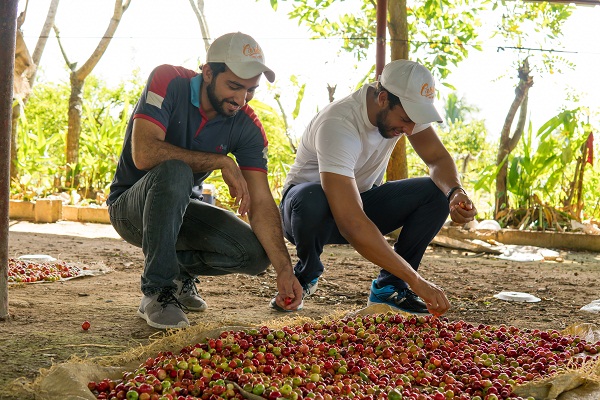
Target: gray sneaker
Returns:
[[187, 294], [163, 311]]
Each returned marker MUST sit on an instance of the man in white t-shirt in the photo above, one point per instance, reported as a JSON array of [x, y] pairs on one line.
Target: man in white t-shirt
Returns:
[[334, 192]]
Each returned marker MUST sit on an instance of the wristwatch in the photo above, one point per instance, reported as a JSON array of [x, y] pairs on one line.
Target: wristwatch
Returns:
[[454, 189]]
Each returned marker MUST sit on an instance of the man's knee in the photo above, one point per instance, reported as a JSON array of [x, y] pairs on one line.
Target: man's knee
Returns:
[[258, 262], [175, 171], [173, 179], [310, 204], [440, 201]]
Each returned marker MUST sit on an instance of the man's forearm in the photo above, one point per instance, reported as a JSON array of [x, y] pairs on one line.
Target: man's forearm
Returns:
[[148, 155], [266, 224], [444, 174]]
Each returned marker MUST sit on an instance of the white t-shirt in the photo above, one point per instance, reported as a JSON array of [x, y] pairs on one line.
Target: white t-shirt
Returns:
[[340, 139]]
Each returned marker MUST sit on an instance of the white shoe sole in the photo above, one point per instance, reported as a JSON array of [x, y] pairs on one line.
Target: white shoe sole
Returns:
[[275, 307], [180, 325], [370, 303]]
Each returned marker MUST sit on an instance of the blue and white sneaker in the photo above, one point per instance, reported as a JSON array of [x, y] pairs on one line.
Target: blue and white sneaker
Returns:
[[309, 290], [402, 299]]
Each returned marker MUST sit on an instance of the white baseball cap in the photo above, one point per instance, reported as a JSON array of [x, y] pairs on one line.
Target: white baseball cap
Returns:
[[241, 54], [414, 86]]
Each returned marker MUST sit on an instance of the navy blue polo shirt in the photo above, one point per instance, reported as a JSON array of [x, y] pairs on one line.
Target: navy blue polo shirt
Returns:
[[171, 100]]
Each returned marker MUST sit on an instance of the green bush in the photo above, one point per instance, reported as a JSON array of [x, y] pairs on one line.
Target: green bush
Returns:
[[41, 139], [41, 142], [468, 145]]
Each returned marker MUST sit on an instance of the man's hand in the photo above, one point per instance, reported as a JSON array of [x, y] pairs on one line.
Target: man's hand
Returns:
[[238, 188], [462, 209], [289, 290], [432, 295]]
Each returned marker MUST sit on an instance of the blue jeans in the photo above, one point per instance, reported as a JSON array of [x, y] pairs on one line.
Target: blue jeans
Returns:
[[182, 237], [417, 205]]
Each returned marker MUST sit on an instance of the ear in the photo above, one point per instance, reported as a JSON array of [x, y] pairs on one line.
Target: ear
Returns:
[[207, 73], [382, 99]]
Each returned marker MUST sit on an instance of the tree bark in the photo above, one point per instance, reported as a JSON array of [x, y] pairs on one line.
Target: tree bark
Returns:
[[74, 128], [398, 27], [199, 11], [508, 143], [78, 77]]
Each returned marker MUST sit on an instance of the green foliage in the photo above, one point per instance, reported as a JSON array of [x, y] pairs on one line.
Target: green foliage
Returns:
[[106, 113], [457, 109], [467, 144], [41, 139], [438, 29], [301, 89], [560, 140], [442, 31], [281, 153], [532, 26], [523, 20], [542, 169], [529, 165]]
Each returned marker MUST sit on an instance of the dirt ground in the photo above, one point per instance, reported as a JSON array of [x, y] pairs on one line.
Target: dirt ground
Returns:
[[45, 320]]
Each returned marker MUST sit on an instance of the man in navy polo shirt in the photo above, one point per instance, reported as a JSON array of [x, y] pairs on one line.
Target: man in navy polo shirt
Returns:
[[183, 128]]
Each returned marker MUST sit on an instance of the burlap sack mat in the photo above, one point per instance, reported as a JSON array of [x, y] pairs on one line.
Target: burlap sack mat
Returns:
[[68, 380]]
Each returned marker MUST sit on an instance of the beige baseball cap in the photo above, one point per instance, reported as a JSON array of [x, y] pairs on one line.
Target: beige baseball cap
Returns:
[[415, 87], [241, 54]]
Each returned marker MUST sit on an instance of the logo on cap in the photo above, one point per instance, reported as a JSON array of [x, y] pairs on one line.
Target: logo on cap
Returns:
[[428, 91], [254, 52]]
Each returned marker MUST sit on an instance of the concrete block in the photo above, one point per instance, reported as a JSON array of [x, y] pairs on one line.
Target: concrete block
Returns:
[[23, 210], [94, 214], [48, 210], [70, 213]]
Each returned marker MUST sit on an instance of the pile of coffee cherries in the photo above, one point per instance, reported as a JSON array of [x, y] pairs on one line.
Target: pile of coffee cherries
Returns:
[[27, 271], [381, 356]]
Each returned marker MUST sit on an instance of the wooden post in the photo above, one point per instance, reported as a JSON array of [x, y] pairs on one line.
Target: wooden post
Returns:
[[8, 37], [381, 36]]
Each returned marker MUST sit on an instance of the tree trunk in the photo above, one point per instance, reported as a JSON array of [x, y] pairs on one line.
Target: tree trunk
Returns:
[[398, 27], [508, 143], [199, 11], [77, 81], [74, 129]]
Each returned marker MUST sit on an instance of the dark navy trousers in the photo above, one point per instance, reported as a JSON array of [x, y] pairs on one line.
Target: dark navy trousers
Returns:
[[417, 205]]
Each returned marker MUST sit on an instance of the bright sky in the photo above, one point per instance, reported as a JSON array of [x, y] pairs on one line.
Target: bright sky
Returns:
[[154, 32]]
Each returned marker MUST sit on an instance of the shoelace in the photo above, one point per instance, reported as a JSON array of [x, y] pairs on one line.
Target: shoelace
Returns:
[[407, 293], [189, 286], [411, 294], [394, 297], [167, 297]]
